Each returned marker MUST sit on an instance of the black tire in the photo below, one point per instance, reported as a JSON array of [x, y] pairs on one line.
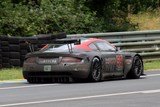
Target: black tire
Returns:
[[14, 48], [4, 38], [95, 70], [5, 54], [5, 48], [5, 60], [4, 43], [14, 40], [0, 66], [14, 55], [0, 61], [15, 62], [137, 68], [0, 56], [6, 65]]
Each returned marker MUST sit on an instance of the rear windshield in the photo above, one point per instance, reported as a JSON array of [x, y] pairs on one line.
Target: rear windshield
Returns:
[[62, 47], [58, 48]]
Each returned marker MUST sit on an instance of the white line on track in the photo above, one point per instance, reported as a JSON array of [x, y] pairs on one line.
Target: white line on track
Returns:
[[83, 98], [42, 85], [153, 75], [30, 86]]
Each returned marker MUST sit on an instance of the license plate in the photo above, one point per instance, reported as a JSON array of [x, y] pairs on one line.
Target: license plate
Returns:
[[47, 68]]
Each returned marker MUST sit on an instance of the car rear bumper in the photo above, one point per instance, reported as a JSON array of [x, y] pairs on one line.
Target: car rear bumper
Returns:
[[80, 70]]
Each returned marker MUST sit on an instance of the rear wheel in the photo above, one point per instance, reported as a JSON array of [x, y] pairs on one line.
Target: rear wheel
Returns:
[[95, 71], [137, 68]]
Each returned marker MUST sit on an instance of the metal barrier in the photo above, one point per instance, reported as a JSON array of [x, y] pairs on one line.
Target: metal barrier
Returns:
[[146, 43]]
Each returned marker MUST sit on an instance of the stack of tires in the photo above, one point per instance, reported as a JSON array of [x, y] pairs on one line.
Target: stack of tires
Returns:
[[0, 53], [24, 49], [5, 52], [14, 51]]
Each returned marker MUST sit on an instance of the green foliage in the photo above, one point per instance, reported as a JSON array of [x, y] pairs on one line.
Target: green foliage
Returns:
[[31, 17], [51, 16]]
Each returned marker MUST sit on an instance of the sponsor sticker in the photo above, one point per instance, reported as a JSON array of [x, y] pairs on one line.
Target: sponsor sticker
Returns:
[[47, 68], [119, 63]]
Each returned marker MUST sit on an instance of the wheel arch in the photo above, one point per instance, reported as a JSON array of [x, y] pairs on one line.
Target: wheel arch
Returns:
[[129, 70]]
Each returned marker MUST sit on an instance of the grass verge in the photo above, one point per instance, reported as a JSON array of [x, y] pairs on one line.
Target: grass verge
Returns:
[[16, 73], [10, 74], [152, 65]]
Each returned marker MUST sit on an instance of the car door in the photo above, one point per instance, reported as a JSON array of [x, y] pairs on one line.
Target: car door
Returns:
[[110, 57]]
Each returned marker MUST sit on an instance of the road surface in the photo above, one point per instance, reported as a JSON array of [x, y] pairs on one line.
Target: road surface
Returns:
[[144, 92]]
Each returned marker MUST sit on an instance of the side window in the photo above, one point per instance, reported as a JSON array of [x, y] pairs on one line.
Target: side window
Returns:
[[93, 47], [103, 46]]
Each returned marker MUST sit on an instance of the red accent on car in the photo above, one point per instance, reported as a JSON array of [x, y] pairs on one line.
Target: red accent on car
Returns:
[[85, 44]]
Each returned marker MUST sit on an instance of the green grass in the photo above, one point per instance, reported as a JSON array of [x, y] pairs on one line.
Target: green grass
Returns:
[[152, 65], [16, 73], [10, 73]]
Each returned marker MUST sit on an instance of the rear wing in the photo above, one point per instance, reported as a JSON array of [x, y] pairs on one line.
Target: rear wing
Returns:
[[49, 39]]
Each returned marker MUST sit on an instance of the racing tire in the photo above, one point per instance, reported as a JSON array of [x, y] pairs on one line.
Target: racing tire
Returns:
[[137, 68], [0, 56], [5, 54], [14, 48], [0, 61], [5, 48], [15, 55], [6, 65], [95, 70], [4, 38], [15, 62], [4, 43], [14, 40], [5, 60]]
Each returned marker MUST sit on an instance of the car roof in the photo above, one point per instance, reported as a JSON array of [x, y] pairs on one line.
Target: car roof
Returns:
[[86, 42]]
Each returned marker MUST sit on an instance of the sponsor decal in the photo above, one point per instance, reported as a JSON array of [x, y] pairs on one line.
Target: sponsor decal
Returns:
[[119, 62]]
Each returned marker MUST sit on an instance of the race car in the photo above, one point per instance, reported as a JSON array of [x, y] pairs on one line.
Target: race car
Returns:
[[89, 59]]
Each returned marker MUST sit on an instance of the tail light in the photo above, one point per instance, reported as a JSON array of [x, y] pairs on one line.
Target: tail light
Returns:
[[70, 60], [30, 60]]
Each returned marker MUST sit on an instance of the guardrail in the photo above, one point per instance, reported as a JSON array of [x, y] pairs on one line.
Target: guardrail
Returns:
[[146, 43]]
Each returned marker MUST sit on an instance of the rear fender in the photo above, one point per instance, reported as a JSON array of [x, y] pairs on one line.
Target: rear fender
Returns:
[[129, 62]]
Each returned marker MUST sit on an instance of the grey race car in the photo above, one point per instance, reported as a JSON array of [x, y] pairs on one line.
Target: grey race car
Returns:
[[92, 60]]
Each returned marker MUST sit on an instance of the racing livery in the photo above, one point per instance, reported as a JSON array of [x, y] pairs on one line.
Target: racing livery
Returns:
[[88, 59]]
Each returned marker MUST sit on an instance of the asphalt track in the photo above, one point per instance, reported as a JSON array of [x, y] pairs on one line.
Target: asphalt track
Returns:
[[143, 92]]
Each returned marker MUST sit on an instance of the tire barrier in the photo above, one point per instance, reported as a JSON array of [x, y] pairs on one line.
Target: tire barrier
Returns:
[[12, 52], [14, 49]]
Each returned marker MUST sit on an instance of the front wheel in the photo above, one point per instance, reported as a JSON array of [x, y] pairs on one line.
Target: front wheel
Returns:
[[137, 68], [95, 70]]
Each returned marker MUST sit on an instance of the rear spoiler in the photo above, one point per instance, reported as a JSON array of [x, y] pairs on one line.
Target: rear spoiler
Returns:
[[42, 37], [49, 39]]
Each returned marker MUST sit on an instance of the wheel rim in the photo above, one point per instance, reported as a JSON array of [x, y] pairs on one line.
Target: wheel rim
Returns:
[[138, 66], [96, 71]]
